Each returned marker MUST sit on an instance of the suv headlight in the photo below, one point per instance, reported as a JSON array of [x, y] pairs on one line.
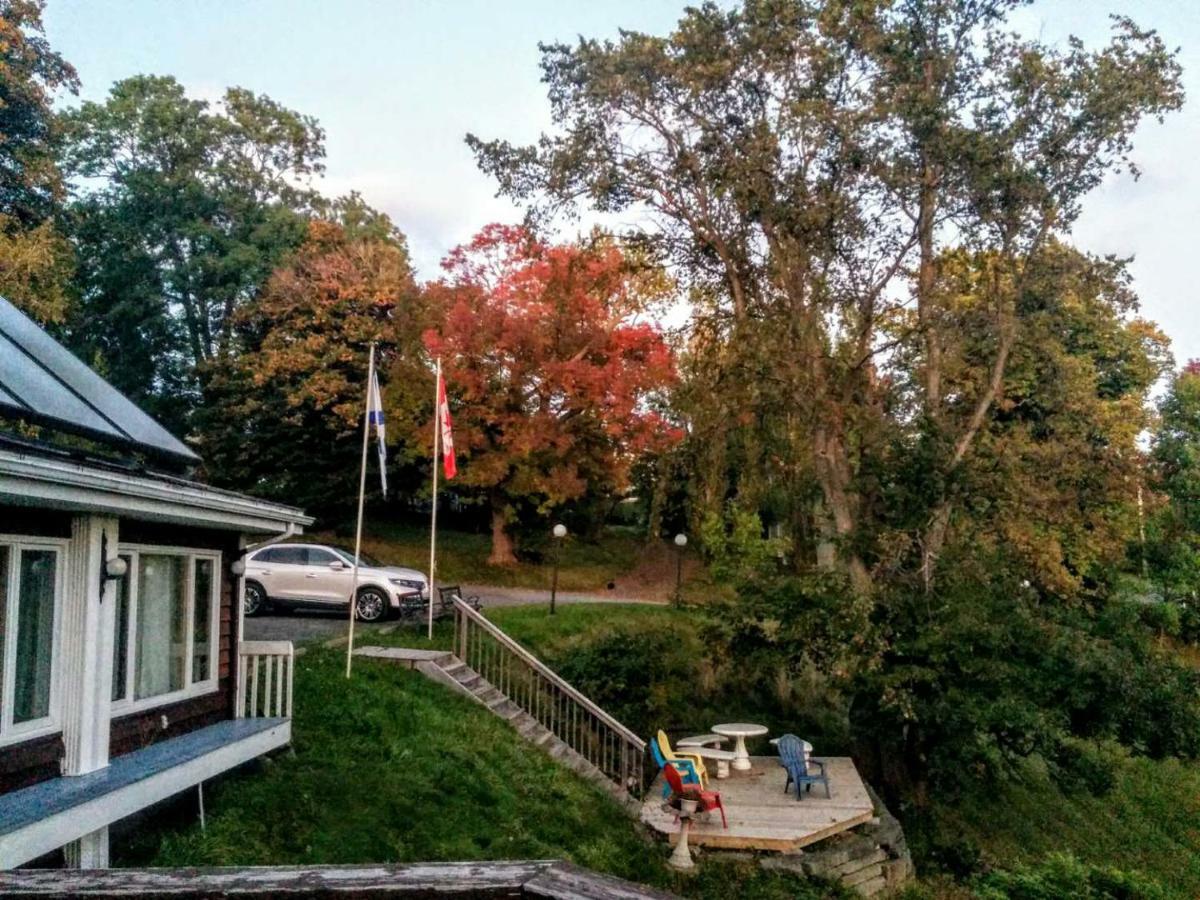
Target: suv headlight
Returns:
[[408, 583]]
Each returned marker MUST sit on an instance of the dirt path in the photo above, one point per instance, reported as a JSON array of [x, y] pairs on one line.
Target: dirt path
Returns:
[[511, 596]]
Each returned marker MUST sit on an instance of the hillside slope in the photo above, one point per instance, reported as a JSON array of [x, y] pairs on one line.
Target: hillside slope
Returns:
[[389, 767]]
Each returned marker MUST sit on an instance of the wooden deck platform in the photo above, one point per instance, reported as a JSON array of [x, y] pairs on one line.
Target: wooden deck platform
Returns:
[[762, 817]]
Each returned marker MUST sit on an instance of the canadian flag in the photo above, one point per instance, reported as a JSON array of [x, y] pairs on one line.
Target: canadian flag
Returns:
[[448, 464]]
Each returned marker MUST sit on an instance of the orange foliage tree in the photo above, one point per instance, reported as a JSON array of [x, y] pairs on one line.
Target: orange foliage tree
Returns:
[[295, 391], [552, 377]]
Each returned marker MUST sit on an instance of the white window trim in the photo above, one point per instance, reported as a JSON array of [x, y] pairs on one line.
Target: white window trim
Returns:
[[191, 689], [11, 733]]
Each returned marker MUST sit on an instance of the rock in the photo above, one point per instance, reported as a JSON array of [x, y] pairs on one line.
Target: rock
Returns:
[[872, 887], [879, 855], [871, 859], [870, 873]]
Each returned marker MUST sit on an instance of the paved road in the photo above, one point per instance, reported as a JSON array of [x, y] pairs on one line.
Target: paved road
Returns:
[[314, 625]]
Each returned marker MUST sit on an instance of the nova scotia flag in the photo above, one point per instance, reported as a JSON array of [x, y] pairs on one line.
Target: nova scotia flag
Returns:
[[375, 417]]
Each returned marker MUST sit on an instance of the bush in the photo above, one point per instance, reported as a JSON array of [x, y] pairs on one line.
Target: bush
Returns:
[[1088, 766], [1164, 618], [1061, 876], [647, 678], [968, 684]]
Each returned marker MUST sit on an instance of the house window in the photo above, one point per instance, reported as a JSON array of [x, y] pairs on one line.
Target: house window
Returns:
[[30, 589], [167, 610]]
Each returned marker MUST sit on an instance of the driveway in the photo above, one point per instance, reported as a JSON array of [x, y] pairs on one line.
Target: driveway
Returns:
[[302, 626]]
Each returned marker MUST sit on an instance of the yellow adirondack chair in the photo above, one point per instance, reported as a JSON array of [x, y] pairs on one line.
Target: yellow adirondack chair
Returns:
[[668, 753]]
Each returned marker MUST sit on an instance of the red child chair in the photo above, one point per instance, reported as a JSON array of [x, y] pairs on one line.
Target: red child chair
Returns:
[[707, 799]]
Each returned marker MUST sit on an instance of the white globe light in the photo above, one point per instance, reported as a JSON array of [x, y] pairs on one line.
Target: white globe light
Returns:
[[560, 530], [238, 568], [115, 567], [681, 540]]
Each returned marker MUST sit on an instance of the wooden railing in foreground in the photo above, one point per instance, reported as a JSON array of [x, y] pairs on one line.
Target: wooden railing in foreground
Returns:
[[542, 693], [539, 879], [271, 695]]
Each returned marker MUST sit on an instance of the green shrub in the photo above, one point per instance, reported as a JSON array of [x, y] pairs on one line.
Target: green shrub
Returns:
[[1162, 618], [1060, 876], [968, 684], [1088, 766], [647, 677]]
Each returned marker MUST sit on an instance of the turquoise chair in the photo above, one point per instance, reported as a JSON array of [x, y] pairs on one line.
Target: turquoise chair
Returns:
[[684, 767]]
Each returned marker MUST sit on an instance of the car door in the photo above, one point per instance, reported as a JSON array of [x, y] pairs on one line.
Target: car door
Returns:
[[281, 569], [328, 577]]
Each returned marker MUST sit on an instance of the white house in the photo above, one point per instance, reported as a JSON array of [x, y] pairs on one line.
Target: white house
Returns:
[[123, 677]]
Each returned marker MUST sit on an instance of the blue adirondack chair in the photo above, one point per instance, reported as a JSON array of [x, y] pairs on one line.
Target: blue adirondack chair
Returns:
[[684, 767], [799, 770]]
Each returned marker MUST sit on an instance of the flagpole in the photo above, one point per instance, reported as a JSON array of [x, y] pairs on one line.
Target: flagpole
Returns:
[[437, 429], [362, 489]]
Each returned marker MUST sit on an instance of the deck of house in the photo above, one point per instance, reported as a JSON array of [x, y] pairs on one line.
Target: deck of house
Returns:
[[762, 817]]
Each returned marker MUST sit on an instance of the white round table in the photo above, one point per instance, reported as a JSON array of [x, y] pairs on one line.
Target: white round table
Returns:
[[740, 731]]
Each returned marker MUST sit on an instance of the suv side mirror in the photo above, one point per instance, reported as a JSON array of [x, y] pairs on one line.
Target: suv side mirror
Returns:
[[337, 565]]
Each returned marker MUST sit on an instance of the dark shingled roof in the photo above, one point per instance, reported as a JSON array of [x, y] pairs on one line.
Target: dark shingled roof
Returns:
[[44, 384]]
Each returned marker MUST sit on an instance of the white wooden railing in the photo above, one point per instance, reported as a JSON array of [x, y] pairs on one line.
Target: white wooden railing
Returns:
[[271, 695], [542, 693]]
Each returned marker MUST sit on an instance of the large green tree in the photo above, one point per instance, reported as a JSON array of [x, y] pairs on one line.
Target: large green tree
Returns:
[[1173, 548], [34, 259], [183, 210], [808, 166]]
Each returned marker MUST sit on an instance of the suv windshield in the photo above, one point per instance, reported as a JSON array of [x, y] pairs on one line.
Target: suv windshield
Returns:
[[364, 559]]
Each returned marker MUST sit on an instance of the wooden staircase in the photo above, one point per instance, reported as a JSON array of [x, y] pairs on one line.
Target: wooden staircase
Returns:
[[497, 672], [479, 688]]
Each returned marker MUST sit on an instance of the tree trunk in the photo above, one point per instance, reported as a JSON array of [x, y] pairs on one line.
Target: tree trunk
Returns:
[[834, 476], [932, 542], [826, 548], [502, 542]]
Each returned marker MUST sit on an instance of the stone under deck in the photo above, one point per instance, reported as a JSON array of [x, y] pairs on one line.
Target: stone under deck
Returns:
[[761, 816]]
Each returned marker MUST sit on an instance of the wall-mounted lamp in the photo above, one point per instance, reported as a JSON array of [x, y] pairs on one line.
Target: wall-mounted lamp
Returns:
[[238, 568], [114, 567]]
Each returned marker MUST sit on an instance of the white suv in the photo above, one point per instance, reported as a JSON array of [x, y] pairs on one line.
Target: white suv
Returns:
[[318, 576]]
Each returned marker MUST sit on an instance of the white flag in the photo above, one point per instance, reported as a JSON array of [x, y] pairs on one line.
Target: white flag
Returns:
[[375, 417]]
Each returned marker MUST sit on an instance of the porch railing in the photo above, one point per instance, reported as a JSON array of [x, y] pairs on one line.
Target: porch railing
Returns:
[[543, 694], [265, 672]]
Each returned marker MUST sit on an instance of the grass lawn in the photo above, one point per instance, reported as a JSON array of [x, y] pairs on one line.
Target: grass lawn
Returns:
[[635, 568], [390, 767]]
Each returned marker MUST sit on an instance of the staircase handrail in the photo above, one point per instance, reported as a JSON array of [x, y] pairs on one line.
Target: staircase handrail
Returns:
[[542, 669]]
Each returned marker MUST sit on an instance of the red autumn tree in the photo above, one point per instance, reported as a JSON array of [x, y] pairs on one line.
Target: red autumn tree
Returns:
[[550, 374]]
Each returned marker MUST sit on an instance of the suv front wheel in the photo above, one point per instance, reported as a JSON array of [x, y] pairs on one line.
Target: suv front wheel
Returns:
[[371, 605], [255, 600]]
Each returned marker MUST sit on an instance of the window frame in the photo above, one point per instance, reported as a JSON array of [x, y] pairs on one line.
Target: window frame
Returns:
[[129, 703], [18, 732]]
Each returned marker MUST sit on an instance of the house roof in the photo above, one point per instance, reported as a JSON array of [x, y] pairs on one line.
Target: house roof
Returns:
[[44, 384], [31, 477]]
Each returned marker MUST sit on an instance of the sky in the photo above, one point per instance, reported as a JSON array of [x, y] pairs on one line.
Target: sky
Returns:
[[396, 84]]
